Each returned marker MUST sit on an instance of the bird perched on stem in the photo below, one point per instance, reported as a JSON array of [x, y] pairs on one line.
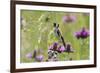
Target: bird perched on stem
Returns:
[[58, 33]]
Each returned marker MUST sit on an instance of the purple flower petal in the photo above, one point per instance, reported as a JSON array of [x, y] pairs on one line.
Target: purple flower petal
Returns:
[[77, 34], [53, 46], [69, 48], [29, 55], [69, 18], [39, 58], [82, 34], [50, 47], [65, 19], [72, 18], [61, 49]]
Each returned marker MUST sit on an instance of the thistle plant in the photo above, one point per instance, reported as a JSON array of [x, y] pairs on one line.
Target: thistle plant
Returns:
[[36, 55], [57, 49], [82, 35], [69, 18]]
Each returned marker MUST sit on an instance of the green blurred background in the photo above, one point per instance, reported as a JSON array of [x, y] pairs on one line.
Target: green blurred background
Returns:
[[37, 25]]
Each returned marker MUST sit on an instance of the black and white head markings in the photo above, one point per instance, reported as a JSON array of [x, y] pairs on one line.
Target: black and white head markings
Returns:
[[56, 30]]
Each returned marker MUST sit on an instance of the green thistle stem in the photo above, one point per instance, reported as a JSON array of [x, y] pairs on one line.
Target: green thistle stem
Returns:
[[82, 48]]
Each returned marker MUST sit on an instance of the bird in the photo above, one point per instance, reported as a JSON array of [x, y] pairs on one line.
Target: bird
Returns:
[[56, 30], [58, 33]]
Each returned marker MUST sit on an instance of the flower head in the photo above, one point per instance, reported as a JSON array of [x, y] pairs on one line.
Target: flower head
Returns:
[[39, 58], [54, 46], [69, 48], [61, 49], [29, 55], [77, 34], [82, 34], [69, 18]]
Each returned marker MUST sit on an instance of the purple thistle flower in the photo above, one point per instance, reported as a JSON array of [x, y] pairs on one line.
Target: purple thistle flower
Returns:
[[54, 46], [72, 18], [39, 58], [65, 19], [29, 55], [82, 34], [69, 49], [61, 49], [69, 18], [77, 34]]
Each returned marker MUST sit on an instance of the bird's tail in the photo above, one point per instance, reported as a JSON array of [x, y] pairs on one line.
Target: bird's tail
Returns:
[[63, 41]]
